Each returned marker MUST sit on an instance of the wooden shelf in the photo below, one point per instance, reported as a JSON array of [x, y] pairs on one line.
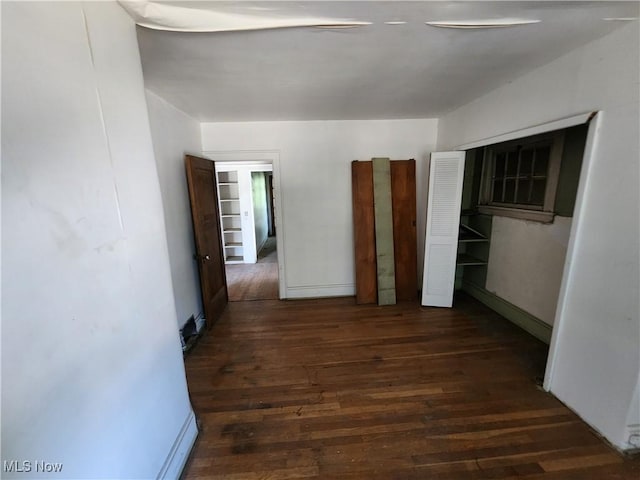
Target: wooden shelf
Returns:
[[466, 259], [229, 197], [468, 234]]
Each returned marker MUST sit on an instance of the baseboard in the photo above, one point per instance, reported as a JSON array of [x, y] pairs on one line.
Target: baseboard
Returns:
[[261, 246], [516, 315], [177, 458], [320, 291]]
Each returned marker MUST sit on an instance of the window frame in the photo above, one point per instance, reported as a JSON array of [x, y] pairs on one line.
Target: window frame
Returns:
[[537, 213]]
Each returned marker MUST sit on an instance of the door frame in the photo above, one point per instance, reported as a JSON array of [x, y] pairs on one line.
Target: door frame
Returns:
[[268, 157]]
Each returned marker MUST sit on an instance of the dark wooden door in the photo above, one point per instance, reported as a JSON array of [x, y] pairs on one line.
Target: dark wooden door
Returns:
[[405, 244], [203, 194], [271, 206]]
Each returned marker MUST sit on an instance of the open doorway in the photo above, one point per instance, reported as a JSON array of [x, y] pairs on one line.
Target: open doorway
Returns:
[[246, 196]]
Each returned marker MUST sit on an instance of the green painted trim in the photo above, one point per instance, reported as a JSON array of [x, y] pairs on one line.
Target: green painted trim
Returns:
[[385, 263], [516, 315]]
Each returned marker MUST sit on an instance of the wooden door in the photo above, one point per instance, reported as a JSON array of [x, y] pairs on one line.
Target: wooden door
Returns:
[[364, 232], [446, 173], [403, 199], [203, 193], [270, 205], [405, 243]]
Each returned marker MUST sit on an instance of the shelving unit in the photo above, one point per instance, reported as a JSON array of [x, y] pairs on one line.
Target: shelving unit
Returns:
[[473, 247], [238, 209], [230, 218], [466, 240]]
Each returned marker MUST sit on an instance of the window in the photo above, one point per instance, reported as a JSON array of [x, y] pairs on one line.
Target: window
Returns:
[[519, 178]]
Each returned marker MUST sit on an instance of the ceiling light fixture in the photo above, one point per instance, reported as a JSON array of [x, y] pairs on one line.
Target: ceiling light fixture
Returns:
[[620, 19], [490, 23], [395, 22]]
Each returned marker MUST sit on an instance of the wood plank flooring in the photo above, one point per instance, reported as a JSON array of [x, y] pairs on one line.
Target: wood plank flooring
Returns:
[[326, 389], [258, 281]]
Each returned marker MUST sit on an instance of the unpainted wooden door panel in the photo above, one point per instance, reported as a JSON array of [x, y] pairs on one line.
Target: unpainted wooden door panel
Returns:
[[201, 179]]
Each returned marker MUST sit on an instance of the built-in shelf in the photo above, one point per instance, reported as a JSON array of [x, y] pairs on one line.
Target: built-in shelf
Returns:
[[468, 234], [466, 259], [229, 193], [473, 244]]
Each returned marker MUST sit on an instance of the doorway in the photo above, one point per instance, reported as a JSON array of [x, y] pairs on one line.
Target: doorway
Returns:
[[255, 281], [248, 217]]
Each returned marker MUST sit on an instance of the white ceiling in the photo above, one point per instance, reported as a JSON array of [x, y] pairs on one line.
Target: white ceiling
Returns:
[[374, 71]]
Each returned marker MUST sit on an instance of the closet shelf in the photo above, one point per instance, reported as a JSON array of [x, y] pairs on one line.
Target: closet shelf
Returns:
[[468, 234], [466, 259]]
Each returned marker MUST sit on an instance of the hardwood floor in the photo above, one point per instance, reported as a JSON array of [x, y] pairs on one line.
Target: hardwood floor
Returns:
[[328, 389], [257, 281]]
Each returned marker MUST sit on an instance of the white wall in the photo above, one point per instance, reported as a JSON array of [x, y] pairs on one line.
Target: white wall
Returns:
[[526, 261], [596, 360], [315, 178], [259, 196], [174, 134], [92, 371]]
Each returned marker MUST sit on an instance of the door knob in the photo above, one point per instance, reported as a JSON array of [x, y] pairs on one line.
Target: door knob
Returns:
[[206, 257]]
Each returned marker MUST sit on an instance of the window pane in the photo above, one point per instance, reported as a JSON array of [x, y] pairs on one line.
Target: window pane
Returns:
[[497, 191], [523, 191], [509, 191], [537, 194], [542, 161], [526, 162], [499, 165], [512, 163]]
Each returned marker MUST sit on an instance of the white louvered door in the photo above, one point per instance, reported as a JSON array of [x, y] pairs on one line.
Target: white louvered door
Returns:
[[443, 218]]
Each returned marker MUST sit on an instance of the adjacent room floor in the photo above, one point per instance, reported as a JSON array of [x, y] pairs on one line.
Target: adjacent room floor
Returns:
[[256, 281], [328, 389]]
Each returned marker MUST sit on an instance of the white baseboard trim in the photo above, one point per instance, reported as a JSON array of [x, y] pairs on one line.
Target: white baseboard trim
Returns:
[[320, 291], [177, 458]]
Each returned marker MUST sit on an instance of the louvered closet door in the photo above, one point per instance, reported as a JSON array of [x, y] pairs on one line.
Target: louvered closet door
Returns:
[[443, 218]]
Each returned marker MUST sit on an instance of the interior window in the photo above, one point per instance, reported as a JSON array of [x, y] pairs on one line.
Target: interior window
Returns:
[[520, 177]]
